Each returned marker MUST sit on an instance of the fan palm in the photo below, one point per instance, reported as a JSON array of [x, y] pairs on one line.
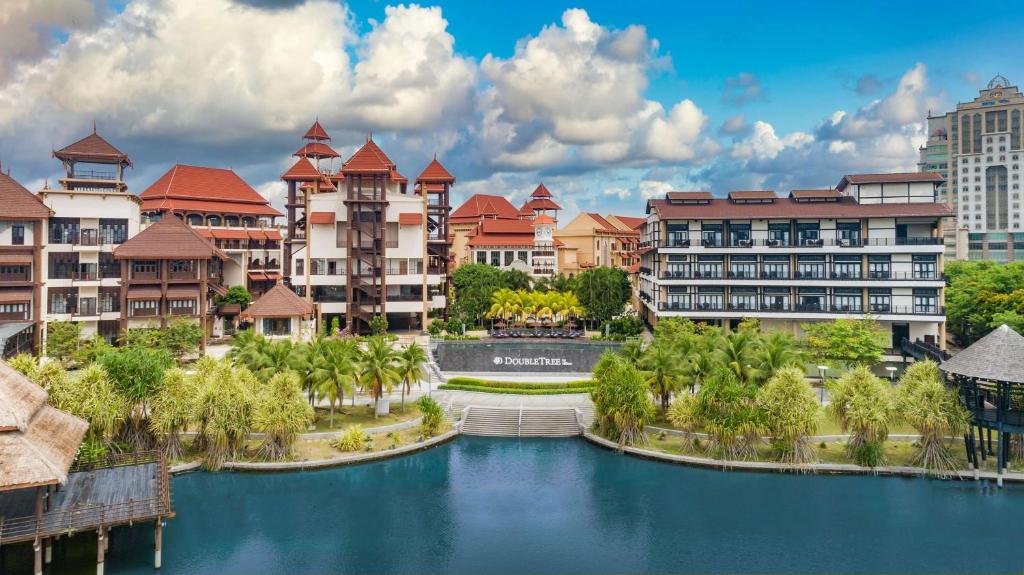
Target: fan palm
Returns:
[[411, 368]]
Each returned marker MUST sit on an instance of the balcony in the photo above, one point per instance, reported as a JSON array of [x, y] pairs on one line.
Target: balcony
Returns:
[[86, 308], [90, 275], [183, 275], [846, 242], [803, 308], [87, 239], [145, 276], [25, 276], [93, 175], [183, 311]]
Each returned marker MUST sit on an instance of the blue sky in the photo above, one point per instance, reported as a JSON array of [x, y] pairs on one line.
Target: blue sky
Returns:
[[609, 103]]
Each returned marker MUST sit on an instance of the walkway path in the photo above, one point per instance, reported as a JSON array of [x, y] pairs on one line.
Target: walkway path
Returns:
[[463, 398]]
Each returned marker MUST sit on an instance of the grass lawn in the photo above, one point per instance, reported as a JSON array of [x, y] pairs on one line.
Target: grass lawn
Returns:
[[322, 449], [363, 415]]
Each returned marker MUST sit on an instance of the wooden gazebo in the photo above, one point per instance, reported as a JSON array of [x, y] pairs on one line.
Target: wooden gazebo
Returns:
[[989, 375], [42, 497]]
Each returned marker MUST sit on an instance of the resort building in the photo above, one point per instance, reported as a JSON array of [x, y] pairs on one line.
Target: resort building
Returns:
[[872, 246], [281, 314], [979, 147], [167, 271], [93, 213], [478, 208], [435, 183], [226, 210], [22, 236], [358, 243], [591, 239]]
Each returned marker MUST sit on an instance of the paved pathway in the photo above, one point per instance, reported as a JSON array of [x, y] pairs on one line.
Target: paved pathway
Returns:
[[506, 400]]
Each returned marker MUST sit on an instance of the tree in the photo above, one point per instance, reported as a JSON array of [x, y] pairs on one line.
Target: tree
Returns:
[[62, 340], [515, 279], [474, 284], [280, 414], [791, 414], [378, 325], [603, 292], [334, 372], [846, 343], [149, 337], [725, 408], [91, 395], [433, 415], [778, 350], [864, 407], [662, 369], [236, 294], [172, 410], [410, 368], [563, 283], [621, 401], [181, 337], [378, 370], [224, 407], [137, 373], [981, 296], [91, 348], [934, 410], [737, 352]]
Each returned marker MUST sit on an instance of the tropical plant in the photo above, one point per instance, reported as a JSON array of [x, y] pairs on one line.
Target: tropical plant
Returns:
[[934, 410], [172, 410], [662, 370], [25, 364], [778, 350], [432, 415], [621, 401], [181, 337], [137, 372], [864, 406], [378, 370], [353, 439], [378, 325], [334, 372], [224, 407], [737, 351], [90, 349], [981, 296], [434, 329], [846, 343], [93, 396], [791, 414], [236, 294], [280, 414], [410, 368], [603, 292], [62, 340], [725, 408]]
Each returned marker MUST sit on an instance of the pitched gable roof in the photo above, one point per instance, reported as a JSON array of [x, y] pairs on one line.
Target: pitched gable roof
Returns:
[[541, 192], [203, 183], [302, 171], [369, 159], [316, 132], [316, 150], [484, 206], [279, 301], [168, 239], [92, 148], [895, 178], [630, 221], [604, 224], [19, 203], [435, 172]]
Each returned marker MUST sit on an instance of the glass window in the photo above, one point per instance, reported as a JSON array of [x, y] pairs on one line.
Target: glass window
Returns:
[[776, 299], [18, 235], [743, 298], [847, 300], [481, 257], [880, 300], [496, 259], [926, 301], [743, 267], [808, 234], [709, 298], [848, 233], [810, 299], [739, 235], [778, 234], [709, 267], [878, 267], [711, 235], [678, 235], [924, 267], [810, 267], [846, 267]]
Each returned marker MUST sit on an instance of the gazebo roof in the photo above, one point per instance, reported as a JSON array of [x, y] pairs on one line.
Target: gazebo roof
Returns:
[[999, 356], [37, 442], [279, 301]]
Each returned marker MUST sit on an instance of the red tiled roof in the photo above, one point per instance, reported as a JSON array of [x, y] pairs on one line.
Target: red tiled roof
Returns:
[[326, 185], [302, 171], [205, 206], [429, 187], [752, 195], [316, 132], [634, 269], [237, 234], [632, 222], [691, 196], [92, 148], [435, 173], [505, 240], [505, 227], [200, 183], [605, 224], [168, 239], [543, 204], [822, 193], [543, 219], [369, 159], [279, 301], [326, 218], [484, 206], [787, 208], [525, 210], [19, 203], [316, 149], [396, 177], [541, 192], [895, 178], [410, 219]]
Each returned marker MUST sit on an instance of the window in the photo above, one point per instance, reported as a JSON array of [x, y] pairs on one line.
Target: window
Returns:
[[775, 267], [144, 269], [810, 267], [878, 267], [810, 299], [739, 235], [496, 259], [711, 235], [62, 265], [743, 298], [709, 267], [808, 234], [300, 267], [678, 235], [848, 233], [776, 298], [846, 300], [481, 257], [677, 267], [926, 301], [709, 298], [846, 267], [510, 256], [924, 266], [523, 256], [778, 234], [145, 307], [743, 267], [880, 300], [17, 235], [678, 298], [277, 326], [183, 267]]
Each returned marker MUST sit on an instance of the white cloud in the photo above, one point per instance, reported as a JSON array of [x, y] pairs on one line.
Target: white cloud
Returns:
[[734, 124], [653, 188], [621, 193], [763, 144], [26, 27], [742, 89]]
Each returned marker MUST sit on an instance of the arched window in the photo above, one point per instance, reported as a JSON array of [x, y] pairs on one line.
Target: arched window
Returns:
[[213, 220], [248, 222], [195, 219], [231, 221]]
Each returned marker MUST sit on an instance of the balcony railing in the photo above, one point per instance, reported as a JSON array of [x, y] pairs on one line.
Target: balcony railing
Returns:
[[144, 312], [85, 276], [93, 175], [803, 308], [183, 275], [145, 275], [842, 276], [25, 276], [797, 242], [188, 311], [14, 315]]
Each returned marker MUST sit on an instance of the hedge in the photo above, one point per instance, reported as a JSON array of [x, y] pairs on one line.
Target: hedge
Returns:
[[473, 382], [519, 391]]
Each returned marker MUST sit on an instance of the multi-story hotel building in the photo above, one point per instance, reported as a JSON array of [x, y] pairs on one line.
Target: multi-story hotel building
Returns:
[[93, 214], [477, 209], [359, 240], [226, 210], [872, 246], [22, 236], [594, 240], [982, 146]]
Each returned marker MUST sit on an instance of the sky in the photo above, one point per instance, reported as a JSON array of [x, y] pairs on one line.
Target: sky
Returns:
[[607, 103]]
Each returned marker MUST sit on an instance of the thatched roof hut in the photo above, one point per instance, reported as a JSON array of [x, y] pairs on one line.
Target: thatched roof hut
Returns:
[[37, 442]]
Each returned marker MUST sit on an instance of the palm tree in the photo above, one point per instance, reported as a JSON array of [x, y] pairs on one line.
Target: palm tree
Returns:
[[778, 351], [662, 370], [378, 370], [736, 352], [334, 372], [303, 362], [411, 368], [280, 414]]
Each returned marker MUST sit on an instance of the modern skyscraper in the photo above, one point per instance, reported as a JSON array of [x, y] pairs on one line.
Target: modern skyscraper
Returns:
[[979, 148]]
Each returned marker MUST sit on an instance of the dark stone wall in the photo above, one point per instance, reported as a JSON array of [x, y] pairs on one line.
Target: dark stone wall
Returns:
[[521, 356]]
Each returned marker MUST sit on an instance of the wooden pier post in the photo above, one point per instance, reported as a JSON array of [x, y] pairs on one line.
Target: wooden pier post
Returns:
[[159, 542], [48, 550], [37, 545], [37, 549], [101, 547]]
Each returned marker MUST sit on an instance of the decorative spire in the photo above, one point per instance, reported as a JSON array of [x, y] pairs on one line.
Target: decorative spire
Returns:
[[94, 125]]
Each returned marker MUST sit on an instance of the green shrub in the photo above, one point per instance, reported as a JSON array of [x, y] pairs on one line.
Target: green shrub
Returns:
[[434, 329], [474, 382], [353, 439], [378, 325], [433, 415], [24, 363], [869, 454]]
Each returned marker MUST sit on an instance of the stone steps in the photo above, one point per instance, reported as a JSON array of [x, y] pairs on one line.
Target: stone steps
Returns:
[[516, 422]]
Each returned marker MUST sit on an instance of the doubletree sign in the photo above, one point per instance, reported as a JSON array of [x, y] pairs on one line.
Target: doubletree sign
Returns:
[[511, 356], [531, 361]]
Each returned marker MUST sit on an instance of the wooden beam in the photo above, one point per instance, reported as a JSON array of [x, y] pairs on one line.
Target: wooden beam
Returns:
[[101, 547], [159, 527]]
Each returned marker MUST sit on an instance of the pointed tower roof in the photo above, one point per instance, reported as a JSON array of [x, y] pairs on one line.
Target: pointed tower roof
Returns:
[[316, 150], [369, 159], [435, 172], [543, 219], [541, 192], [279, 301], [999, 356], [316, 132], [19, 203], [168, 239], [93, 148], [302, 171], [526, 211]]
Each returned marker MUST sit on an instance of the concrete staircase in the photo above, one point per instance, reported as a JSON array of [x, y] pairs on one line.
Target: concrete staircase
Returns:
[[520, 422]]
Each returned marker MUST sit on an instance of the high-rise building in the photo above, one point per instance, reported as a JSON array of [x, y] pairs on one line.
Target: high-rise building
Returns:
[[979, 149]]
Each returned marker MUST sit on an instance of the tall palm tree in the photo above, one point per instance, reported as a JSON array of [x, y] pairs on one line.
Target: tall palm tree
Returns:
[[334, 372], [411, 368], [303, 362], [662, 370], [379, 369], [778, 351], [736, 352]]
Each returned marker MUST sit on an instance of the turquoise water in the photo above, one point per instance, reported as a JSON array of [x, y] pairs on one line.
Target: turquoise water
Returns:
[[484, 506]]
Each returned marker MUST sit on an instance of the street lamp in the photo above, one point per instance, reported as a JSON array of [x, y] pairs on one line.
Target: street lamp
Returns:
[[892, 373], [821, 390]]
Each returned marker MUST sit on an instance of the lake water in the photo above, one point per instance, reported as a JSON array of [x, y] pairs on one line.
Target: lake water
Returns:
[[480, 505]]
